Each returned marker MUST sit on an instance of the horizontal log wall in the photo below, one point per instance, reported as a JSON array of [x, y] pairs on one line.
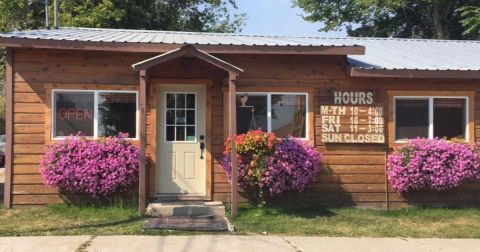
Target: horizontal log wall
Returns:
[[34, 72], [352, 174]]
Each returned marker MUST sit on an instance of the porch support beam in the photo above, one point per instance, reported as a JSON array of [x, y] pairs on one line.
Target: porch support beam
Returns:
[[143, 142], [7, 199], [232, 132]]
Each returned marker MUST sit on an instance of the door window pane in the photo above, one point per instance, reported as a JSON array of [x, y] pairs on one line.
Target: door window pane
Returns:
[[180, 117], [251, 112], [289, 115], [190, 100], [190, 133], [180, 100], [411, 118], [170, 116], [73, 112], [170, 133], [180, 133], [170, 100], [191, 117], [449, 118], [180, 114], [117, 114]]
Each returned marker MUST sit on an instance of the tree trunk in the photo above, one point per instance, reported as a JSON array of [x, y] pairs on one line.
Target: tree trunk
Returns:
[[438, 30]]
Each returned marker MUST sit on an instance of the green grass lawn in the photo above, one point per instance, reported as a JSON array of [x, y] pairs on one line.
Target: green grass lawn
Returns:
[[72, 220], [111, 220], [349, 222]]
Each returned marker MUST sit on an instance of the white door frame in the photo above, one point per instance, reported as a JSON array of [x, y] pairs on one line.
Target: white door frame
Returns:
[[157, 136]]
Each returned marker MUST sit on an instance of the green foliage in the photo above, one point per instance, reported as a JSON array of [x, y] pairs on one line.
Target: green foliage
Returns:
[[395, 18], [183, 15], [174, 15], [470, 20]]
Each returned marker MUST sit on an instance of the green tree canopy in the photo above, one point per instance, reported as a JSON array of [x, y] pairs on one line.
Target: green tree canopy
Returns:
[[184, 15], [470, 20], [175, 15], [441, 19]]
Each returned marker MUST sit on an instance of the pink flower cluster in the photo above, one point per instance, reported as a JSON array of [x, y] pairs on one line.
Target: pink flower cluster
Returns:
[[425, 164], [96, 168], [291, 166]]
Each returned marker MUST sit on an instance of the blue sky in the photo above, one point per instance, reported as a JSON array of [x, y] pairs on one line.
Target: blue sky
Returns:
[[277, 17]]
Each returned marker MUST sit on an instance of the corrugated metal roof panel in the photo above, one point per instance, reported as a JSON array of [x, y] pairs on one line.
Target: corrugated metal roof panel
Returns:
[[381, 53], [415, 54], [169, 37]]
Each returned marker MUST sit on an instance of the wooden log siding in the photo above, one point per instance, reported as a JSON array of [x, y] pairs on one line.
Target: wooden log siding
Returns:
[[352, 174]]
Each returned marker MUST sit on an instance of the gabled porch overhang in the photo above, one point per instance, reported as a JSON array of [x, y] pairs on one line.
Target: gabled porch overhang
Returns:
[[144, 68]]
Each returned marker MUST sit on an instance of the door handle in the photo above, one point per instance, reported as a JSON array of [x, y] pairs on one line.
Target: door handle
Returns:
[[202, 145]]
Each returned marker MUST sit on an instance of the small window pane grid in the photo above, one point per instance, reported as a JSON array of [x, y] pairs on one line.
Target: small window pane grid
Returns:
[[180, 117], [273, 112], [449, 113], [107, 96]]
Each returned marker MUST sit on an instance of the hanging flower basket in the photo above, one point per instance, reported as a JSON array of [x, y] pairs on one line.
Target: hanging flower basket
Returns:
[[270, 165]]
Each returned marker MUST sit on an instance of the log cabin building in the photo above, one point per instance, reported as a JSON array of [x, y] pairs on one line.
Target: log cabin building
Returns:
[[179, 95]]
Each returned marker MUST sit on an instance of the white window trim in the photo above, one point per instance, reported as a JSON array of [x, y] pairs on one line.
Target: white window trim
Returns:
[[165, 118], [269, 108], [96, 94], [430, 114]]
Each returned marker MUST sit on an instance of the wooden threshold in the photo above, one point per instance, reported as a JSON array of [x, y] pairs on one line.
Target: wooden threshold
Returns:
[[179, 197]]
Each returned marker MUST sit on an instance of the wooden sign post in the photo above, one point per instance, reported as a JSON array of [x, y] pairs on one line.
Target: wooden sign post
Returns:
[[352, 118]]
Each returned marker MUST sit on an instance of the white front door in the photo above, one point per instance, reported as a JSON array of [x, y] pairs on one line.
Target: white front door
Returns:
[[181, 132]]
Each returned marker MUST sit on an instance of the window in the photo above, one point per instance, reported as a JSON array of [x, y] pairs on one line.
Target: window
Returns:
[[285, 114], [430, 117], [117, 113], [73, 113], [94, 113], [180, 117]]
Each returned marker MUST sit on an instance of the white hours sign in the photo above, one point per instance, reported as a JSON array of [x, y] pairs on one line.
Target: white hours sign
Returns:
[[352, 117]]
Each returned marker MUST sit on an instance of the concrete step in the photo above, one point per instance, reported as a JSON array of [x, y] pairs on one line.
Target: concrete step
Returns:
[[186, 209]]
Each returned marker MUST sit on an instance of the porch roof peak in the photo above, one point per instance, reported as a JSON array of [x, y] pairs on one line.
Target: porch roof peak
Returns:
[[186, 50]]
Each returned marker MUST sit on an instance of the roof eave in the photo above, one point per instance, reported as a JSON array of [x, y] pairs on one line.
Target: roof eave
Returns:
[[412, 73], [158, 48]]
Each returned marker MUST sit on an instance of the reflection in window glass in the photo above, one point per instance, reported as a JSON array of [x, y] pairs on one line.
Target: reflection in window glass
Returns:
[[180, 117], [449, 118], [289, 115], [117, 114], [251, 112], [191, 133], [73, 112], [411, 118]]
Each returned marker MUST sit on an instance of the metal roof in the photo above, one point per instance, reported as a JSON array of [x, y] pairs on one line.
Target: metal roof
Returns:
[[417, 54], [171, 37], [380, 53]]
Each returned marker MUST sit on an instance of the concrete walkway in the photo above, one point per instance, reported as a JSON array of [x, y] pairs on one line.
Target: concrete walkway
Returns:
[[231, 243]]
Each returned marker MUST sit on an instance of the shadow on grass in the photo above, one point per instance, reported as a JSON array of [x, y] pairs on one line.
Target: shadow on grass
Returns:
[[96, 225], [272, 209]]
